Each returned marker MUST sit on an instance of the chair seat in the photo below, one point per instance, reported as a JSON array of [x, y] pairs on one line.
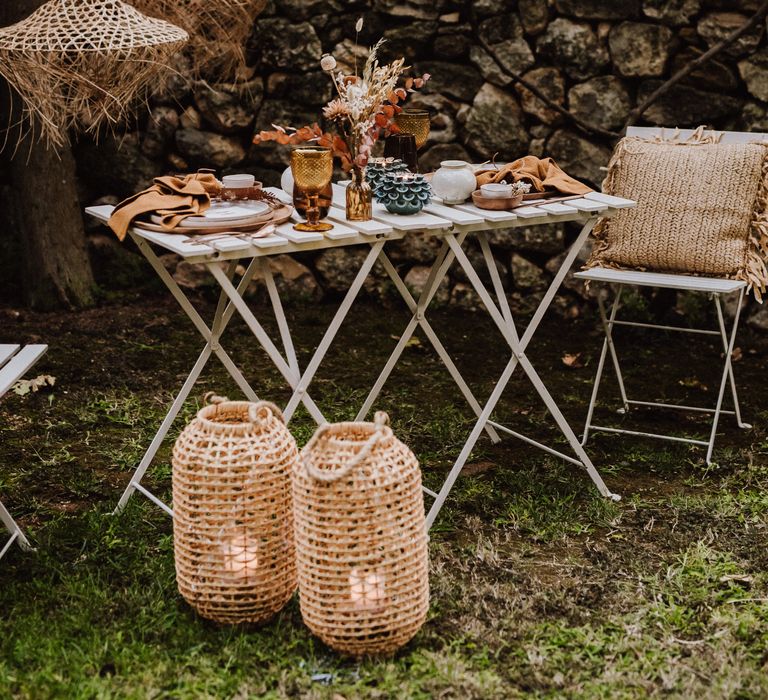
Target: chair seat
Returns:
[[15, 361], [690, 283]]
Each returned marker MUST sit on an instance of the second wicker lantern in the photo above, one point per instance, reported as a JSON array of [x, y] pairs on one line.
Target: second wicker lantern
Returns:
[[361, 540], [232, 511]]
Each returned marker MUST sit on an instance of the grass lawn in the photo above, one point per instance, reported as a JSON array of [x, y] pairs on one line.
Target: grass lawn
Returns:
[[540, 588]]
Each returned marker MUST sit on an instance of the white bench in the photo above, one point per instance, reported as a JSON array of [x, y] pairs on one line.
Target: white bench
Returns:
[[15, 360], [714, 287]]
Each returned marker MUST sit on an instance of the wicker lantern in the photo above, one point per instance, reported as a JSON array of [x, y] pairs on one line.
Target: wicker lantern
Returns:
[[218, 31], [83, 63], [361, 540], [232, 511]]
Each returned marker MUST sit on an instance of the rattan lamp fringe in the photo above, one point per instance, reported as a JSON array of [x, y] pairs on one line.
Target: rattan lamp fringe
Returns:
[[361, 541], [83, 63], [218, 31], [232, 511]]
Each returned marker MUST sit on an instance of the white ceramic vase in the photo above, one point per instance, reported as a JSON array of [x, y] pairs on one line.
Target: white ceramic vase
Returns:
[[454, 181], [286, 181]]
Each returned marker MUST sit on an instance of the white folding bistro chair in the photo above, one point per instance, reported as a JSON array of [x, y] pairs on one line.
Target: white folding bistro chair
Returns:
[[716, 288], [14, 363]]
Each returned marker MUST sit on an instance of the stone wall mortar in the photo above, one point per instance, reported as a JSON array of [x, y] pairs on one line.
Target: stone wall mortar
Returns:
[[597, 58]]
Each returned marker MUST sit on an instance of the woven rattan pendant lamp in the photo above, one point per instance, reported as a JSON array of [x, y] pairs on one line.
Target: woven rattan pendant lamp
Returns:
[[82, 63], [218, 31]]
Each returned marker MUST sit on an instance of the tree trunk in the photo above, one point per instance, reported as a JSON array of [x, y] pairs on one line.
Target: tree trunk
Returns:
[[44, 210]]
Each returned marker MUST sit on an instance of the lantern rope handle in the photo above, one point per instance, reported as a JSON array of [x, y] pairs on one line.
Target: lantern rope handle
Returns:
[[381, 420], [213, 398], [259, 411]]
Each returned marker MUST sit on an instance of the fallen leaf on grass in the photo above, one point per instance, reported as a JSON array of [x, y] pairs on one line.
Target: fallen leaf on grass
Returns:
[[736, 355], [573, 361], [474, 468], [693, 383], [737, 578], [411, 342], [25, 386]]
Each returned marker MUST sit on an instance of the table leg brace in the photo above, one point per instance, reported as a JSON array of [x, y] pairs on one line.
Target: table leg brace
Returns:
[[518, 347], [420, 319], [302, 385]]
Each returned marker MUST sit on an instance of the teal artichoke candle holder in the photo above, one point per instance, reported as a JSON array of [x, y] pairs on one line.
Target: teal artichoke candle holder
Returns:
[[403, 192], [377, 167]]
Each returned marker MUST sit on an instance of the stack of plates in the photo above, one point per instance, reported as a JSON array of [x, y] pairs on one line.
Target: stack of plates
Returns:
[[225, 214]]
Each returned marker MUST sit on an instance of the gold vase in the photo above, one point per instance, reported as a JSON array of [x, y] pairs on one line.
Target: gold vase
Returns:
[[359, 196]]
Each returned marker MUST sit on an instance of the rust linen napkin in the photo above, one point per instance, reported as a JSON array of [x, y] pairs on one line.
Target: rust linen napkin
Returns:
[[542, 174], [172, 198]]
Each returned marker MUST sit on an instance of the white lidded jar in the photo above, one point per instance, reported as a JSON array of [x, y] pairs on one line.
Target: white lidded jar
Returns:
[[454, 181]]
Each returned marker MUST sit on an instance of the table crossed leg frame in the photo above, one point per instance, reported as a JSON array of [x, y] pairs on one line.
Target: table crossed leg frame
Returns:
[[230, 300], [609, 320], [502, 317], [418, 308]]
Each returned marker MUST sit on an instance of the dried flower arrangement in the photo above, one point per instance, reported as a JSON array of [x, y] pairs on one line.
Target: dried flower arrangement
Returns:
[[362, 112]]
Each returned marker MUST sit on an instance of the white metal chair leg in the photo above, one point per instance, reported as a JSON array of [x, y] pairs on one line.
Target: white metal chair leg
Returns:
[[727, 340], [608, 330], [15, 531], [607, 324], [727, 373], [731, 379], [595, 389]]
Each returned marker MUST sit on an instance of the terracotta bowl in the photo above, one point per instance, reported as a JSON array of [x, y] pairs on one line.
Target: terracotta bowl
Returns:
[[497, 203]]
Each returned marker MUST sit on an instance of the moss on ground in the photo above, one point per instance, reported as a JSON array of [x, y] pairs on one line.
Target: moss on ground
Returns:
[[540, 588]]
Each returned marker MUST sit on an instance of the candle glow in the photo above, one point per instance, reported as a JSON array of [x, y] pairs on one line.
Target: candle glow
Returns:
[[240, 557], [366, 589]]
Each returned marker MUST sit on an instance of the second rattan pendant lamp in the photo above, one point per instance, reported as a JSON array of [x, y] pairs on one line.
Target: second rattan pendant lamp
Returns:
[[79, 64], [218, 31]]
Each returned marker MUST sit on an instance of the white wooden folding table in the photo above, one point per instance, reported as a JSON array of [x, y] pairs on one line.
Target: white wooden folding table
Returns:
[[452, 225]]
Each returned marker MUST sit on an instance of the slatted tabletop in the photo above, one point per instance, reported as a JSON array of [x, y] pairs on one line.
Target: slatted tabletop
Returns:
[[436, 218]]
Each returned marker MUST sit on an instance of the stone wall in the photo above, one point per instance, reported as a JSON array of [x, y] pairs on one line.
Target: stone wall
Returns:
[[597, 58]]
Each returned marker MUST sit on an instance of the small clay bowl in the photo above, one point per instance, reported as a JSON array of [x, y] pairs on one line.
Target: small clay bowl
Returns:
[[497, 203]]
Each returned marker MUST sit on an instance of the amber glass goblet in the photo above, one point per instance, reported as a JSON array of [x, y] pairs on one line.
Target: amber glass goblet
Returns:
[[312, 168], [416, 122]]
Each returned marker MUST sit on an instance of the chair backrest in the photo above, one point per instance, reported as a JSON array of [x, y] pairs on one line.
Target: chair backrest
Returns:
[[727, 136]]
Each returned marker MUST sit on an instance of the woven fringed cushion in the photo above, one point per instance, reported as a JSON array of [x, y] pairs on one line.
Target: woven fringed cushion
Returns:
[[701, 209]]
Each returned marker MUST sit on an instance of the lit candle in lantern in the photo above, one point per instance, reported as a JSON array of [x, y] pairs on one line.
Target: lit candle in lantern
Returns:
[[366, 589], [241, 557]]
